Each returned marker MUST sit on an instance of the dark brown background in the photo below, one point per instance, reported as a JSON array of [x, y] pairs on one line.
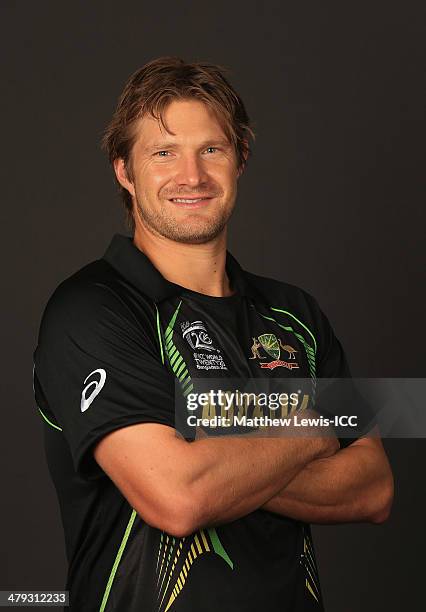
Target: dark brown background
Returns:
[[330, 201]]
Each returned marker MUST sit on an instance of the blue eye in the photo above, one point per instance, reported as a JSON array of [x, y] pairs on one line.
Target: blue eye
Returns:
[[158, 153]]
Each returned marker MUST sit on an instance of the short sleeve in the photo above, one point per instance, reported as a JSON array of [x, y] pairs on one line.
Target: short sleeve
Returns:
[[341, 397], [98, 367]]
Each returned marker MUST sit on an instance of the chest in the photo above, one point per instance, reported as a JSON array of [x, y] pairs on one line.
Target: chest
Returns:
[[239, 339]]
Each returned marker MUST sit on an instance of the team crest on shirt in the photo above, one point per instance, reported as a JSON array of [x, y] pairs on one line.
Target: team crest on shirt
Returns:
[[272, 346], [196, 335]]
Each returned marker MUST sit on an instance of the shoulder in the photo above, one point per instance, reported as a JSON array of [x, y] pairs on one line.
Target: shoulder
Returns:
[[92, 298], [82, 293], [286, 296]]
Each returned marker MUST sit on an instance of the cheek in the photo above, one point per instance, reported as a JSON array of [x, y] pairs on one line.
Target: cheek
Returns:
[[224, 176], [152, 179]]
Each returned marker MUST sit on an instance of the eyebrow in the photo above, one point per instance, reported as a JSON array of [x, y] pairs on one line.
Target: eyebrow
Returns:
[[211, 142]]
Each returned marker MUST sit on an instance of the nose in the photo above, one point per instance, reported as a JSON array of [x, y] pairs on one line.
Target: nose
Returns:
[[190, 170]]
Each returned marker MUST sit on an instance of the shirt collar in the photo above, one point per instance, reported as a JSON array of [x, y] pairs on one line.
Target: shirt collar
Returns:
[[123, 255]]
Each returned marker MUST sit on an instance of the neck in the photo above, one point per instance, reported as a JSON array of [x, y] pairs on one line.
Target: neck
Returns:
[[198, 267]]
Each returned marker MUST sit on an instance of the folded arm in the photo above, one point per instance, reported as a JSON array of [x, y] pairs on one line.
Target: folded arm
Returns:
[[353, 485], [180, 486]]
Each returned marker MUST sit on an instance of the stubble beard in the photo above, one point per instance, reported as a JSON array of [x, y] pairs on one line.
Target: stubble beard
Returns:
[[193, 230]]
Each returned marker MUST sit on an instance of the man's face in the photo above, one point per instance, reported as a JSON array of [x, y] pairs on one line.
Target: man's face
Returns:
[[196, 161]]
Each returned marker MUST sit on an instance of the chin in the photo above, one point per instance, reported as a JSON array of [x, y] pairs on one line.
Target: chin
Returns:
[[193, 229], [194, 237], [193, 232]]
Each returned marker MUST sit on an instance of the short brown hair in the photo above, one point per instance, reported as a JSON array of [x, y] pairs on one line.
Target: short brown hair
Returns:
[[150, 89]]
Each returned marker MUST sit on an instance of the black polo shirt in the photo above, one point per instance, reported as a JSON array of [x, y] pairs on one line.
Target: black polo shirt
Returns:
[[113, 339]]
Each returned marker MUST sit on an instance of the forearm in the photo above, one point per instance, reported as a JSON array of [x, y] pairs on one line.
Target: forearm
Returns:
[[353, 485], [233, 476], [179, 486]]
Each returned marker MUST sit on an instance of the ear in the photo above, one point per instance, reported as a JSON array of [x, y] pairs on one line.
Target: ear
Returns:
[[241, 170], [243, 165], [122, 175]]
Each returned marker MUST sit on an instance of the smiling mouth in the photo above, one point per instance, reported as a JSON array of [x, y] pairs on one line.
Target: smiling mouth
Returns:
[[191, 202]]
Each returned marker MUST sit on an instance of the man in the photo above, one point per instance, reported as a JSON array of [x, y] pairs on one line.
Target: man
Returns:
[[152, 520]]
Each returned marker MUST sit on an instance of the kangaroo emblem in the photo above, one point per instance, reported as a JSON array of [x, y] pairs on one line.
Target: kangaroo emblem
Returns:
[[255, 350]]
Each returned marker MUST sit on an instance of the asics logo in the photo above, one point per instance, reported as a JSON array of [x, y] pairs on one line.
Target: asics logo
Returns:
[[95, 387]]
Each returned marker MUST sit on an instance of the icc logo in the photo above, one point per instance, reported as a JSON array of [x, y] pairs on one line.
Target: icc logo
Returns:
[[196, 335]]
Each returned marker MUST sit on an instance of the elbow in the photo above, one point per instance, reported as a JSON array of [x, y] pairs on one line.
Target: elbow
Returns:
[[383, 503], [180, 525], [382, 514], [183, 519], [186, 515], [177, 515]]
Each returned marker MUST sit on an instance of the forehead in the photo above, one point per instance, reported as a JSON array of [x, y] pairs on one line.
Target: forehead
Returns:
[[186, 121]]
